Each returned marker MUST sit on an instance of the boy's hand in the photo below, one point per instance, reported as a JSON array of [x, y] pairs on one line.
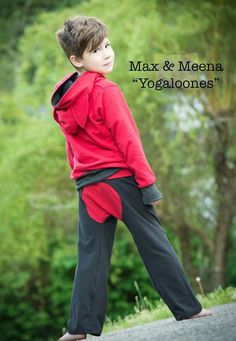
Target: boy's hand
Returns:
[[155, 202]]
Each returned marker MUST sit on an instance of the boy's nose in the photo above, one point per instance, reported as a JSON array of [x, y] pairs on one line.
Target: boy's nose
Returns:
[[107, 57]]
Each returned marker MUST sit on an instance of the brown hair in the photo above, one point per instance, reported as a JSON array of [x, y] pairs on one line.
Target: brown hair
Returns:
[[81, 33]]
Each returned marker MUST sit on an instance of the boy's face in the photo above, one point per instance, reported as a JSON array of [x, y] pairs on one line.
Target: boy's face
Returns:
[[99, 60]]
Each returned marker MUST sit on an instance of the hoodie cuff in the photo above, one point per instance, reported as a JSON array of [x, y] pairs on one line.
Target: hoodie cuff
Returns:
[[150, 194]]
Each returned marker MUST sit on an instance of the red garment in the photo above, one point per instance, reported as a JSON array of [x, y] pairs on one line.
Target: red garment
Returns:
[[120, 174], [101, 200], [99, 128]]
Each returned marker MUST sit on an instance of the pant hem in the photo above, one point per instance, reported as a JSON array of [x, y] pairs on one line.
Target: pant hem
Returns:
[[187, 317], [84, 332]]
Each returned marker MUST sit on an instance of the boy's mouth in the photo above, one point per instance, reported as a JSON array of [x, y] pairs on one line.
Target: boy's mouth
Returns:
[[107, 64]]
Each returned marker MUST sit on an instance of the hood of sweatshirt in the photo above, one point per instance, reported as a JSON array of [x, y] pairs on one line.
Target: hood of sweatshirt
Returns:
[[70, 99]]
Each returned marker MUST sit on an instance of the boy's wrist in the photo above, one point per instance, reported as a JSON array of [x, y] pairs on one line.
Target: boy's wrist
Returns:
[[150, 194]]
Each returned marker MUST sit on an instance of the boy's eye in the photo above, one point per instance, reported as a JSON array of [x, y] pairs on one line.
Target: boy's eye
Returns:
[[108, 44]]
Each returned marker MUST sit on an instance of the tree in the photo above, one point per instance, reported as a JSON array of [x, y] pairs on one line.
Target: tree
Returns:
[[210, 30]]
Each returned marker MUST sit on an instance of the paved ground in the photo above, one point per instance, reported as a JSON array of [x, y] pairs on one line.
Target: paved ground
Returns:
[[221, 326]]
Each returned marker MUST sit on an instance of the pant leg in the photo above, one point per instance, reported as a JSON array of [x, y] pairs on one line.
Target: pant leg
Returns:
[[160, 259], [90, 290]]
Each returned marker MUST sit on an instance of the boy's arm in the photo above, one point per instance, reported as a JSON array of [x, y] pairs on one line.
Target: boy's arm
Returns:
[[150, 194], [119, 120], [70, 155]]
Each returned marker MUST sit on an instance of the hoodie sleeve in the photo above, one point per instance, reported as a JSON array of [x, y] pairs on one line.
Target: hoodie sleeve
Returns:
[[70, 155], [150, 194], [120, 122]]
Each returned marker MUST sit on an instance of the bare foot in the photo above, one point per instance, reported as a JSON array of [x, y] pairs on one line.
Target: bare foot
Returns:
[[203, 312], [70, 337]]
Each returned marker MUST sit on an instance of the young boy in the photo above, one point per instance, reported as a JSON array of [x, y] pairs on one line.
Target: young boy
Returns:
[[114, 181]]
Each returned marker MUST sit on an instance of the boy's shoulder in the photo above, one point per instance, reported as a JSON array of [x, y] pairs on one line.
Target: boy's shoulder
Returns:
[[98, 80], [102, 83], [103, 86]]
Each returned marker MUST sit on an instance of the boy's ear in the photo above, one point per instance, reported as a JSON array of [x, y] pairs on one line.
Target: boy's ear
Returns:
[[75, 61]]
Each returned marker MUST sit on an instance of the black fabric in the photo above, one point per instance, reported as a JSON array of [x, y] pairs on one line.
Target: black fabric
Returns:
[[94, 176], [63, 88], [150, 193], [95, 242]]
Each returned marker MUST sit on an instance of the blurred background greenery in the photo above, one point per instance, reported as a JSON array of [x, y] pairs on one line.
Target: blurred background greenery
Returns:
[[188, 137]]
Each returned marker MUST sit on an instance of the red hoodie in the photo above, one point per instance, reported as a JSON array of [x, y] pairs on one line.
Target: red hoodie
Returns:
[[99, 128]]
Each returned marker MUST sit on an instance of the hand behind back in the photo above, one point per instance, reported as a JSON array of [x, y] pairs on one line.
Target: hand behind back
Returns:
[[155, 202]]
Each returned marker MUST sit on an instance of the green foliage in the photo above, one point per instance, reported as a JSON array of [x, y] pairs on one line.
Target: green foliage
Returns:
[[15, 16], [30, 232]]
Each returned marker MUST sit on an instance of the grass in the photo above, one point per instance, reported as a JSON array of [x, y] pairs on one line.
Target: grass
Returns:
[[146, 311]]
